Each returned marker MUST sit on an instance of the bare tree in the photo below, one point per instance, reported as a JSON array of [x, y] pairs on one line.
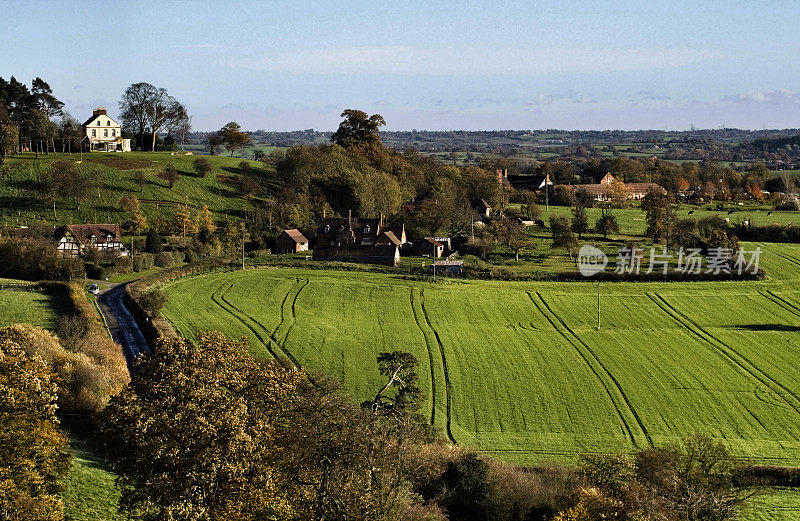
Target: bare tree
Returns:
[[159, 112], [133, 107]]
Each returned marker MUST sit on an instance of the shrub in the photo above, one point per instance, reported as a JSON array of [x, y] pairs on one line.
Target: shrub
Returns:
[[142, 261], [87, 380], [178, 257], [33, 260], [123, 265], [202, 166], [97, 271], [163, 259], [152, 301]]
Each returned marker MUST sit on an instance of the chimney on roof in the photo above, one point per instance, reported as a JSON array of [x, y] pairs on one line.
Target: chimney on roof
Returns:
[[100, 111]]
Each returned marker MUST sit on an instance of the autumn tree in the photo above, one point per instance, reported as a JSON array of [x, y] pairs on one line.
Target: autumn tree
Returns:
[[205, 224], [183, 221], [193, 435], [661, 215], [511, 234], [169, 174], [231, 137], [33, 452], [137, 222], [682, 184], [358, 129]]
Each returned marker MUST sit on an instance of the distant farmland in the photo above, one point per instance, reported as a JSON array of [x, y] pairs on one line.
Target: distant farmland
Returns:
[[520, 371]]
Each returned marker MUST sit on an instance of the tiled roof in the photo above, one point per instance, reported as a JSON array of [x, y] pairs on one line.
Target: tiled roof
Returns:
[[295, 235]]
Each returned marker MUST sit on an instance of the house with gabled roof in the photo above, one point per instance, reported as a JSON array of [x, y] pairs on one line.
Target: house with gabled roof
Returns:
[[352, 239], [603, 190], [291, 241], [104, 134], [77, 239]]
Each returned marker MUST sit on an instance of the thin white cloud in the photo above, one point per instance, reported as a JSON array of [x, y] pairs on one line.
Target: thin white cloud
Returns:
[[198, 46], [772, 97], [507, 61]]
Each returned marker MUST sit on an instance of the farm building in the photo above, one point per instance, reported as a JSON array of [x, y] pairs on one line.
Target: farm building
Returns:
[[431, 247], [482, 207], [605, 189], [77, 239], [105, 134], [291, 241], [448, 267], [357, 240]]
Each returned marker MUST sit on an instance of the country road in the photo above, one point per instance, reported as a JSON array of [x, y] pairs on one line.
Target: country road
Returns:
[[121, 323]]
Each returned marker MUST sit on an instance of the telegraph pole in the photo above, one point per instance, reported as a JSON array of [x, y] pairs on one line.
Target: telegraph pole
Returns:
[[243, 231]]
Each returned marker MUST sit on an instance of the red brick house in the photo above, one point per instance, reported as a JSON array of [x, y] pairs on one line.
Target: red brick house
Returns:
[[602, 190], [357, 240], [291, 241]]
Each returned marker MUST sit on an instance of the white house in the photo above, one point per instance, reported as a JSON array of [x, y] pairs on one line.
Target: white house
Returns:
[[105, 134]]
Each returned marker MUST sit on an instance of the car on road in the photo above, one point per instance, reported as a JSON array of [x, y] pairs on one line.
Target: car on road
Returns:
[[93, 289]]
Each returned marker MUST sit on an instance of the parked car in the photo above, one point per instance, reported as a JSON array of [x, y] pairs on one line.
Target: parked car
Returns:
[[93, 289]]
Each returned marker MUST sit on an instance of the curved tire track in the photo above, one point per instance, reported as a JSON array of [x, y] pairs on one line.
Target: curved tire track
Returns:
[[444, 366], [633, 425], [428, 348], [728, 352]]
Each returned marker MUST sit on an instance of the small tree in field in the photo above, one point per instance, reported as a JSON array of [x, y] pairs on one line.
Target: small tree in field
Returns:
[[169, 174], [400, 369], [607, 223], [563, 237], [511, 234], [232, 137], [202, 166]]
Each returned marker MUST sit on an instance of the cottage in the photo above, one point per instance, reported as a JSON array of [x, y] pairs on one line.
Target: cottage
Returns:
[[77, 239], [431, 247], [482, 207], [357, 240], [105, 134], [291, 241], [605, 189]]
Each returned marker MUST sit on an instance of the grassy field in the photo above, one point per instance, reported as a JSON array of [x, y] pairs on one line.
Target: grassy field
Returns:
[[88, 490], [519, 370], [115, 174], [33, 307]]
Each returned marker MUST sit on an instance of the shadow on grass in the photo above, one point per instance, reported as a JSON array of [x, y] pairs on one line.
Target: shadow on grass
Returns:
[[768, 327]]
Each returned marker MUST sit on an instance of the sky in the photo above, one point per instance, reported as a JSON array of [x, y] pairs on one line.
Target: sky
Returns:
[[427, 65]]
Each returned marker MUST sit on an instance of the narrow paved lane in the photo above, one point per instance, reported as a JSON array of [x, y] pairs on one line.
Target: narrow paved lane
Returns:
[[124, 329]]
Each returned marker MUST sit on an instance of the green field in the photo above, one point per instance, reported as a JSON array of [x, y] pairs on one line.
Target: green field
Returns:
[[519, 370], [18, 304], [114, 173]]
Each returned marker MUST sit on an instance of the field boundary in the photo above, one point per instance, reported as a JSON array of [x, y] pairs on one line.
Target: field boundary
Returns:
[[782, 302], [588, 356]]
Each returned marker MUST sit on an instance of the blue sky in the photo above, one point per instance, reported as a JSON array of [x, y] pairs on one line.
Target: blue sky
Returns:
[[424, 65]]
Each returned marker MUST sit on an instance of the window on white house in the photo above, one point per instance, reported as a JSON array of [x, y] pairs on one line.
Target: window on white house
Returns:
[[94, 133], [113, 132], [105, 133], [366, 241], [366, 229], [108, 123]]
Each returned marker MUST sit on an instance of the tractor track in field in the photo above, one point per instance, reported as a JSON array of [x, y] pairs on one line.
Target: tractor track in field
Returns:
[[218, 296], [782, 302], [273, 335], [614, 388], [447, 388], [430, 356], [728, 352], [780, 254]]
